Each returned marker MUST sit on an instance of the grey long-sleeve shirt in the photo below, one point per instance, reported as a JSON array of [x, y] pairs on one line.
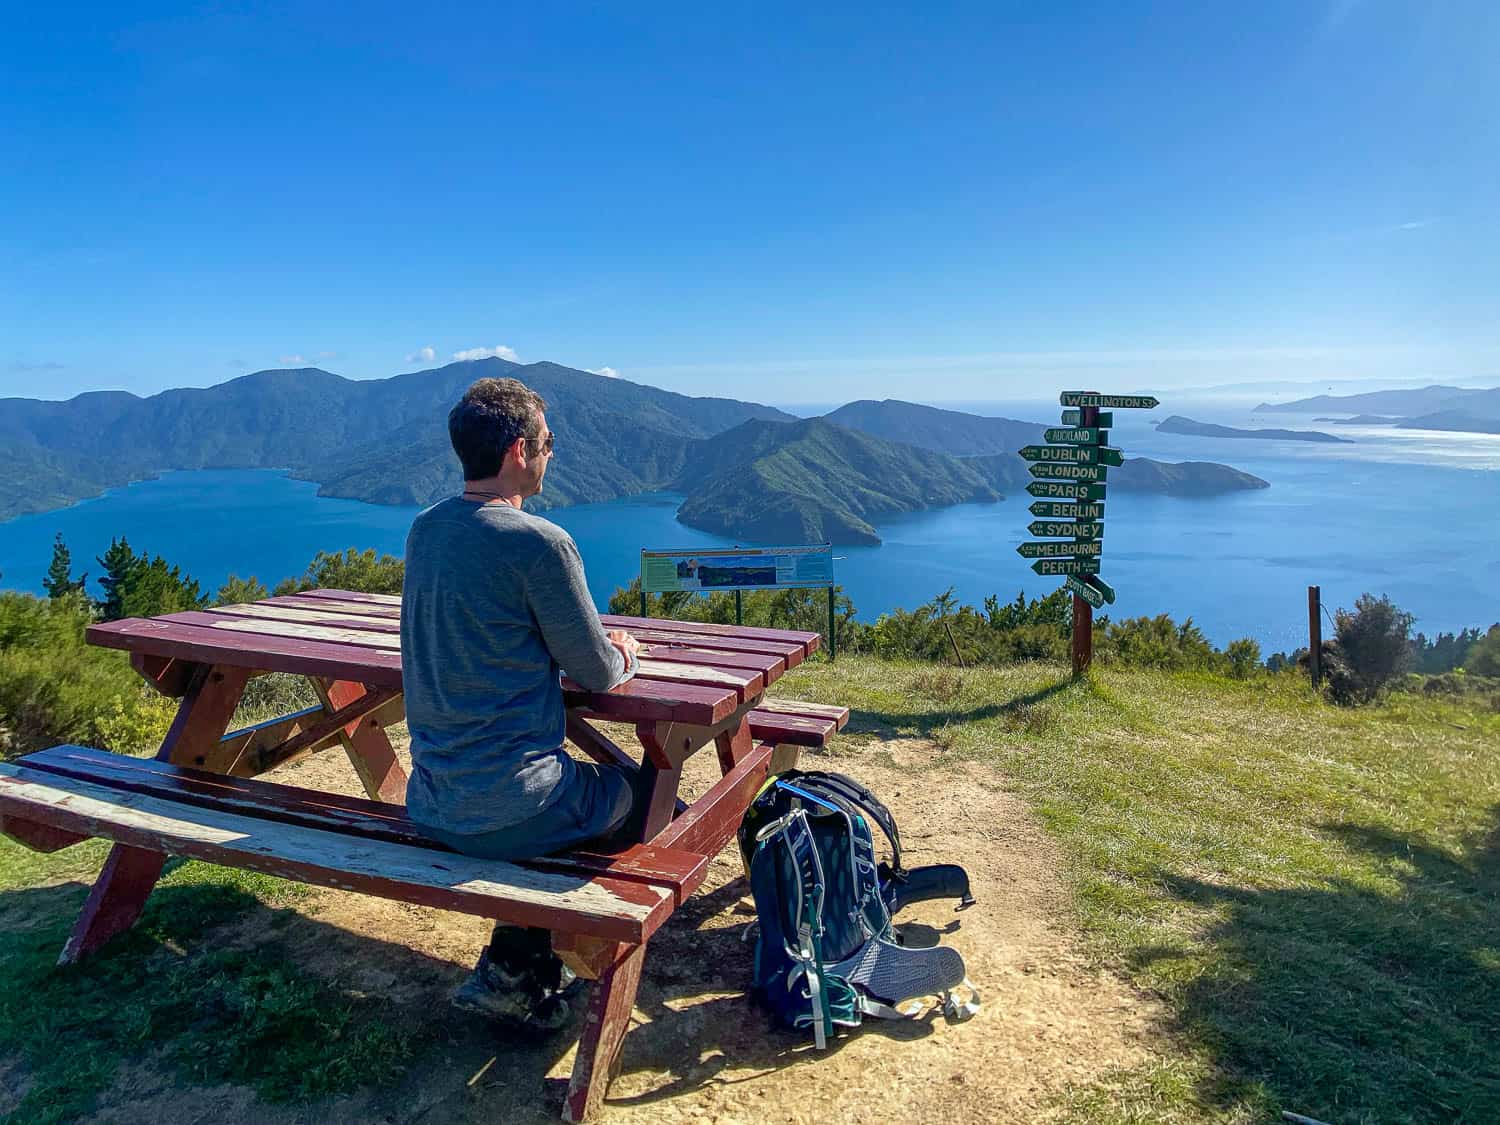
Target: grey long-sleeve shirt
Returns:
[[494, 604]]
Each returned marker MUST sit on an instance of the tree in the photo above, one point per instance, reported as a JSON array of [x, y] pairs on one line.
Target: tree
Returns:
[[59, 582], [1483, 658], [117, 562], [1373, 647], [237, 590], [152, 587], [351, 570], [1244, 657]]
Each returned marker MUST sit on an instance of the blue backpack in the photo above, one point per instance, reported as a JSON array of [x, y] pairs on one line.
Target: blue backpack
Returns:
[[826, 952]]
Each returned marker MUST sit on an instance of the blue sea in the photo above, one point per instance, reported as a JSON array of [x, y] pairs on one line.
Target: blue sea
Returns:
[[1411, 514]]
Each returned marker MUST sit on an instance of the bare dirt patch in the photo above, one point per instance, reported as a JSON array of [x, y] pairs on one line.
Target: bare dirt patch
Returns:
[[698, 1050]]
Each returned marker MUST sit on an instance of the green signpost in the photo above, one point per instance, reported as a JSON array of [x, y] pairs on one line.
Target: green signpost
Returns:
[[1061, 490], [1083, 590], [1070, 530], [1078, 435], [1067, 511], [1052, 471], [1052, 550], [1071, 470], [1066, 566]]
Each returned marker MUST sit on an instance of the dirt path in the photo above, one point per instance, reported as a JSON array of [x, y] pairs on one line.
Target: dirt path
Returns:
[[698, 1051]]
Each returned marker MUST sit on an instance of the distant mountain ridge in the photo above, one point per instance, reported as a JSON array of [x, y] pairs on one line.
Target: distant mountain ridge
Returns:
[[1177, 424], [1460, 409], [747, 471]]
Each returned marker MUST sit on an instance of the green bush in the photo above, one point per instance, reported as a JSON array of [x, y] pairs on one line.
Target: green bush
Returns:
[[1372, 649], [54, 688], [352, 570], [1483, 658]]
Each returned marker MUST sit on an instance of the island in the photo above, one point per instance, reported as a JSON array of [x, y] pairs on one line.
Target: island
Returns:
[[1177, 424]]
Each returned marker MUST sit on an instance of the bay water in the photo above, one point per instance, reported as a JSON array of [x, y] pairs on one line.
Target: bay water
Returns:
[[1412, 514]]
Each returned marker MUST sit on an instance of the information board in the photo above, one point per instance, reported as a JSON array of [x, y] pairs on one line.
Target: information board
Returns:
[[736, 568]]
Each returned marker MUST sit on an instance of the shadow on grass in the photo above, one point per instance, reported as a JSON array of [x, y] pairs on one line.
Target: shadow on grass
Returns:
[[1352, 1004], [925, 723], [209, 997]]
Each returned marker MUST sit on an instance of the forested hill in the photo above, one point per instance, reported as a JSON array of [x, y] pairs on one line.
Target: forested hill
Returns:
[[377, 439], [946, 431], [748, 471], [813, 481]]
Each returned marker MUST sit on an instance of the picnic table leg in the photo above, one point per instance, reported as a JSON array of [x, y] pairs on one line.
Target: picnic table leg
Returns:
[[604, 1027], [733, 745], [370, 751], [120, 892]]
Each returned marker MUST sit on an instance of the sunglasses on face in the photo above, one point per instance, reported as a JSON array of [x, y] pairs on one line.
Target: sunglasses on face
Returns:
[[543, 444]]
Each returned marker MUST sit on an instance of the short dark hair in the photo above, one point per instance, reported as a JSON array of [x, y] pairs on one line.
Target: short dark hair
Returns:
[[487, 421]]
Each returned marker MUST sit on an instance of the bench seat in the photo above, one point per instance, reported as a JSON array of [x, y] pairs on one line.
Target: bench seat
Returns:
[[791, 722], [69, 793]]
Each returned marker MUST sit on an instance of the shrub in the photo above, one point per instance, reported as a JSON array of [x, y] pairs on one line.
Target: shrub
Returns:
[[352, 570], [1483, 658], [1373, 647], [54, 688], [1243, 656]]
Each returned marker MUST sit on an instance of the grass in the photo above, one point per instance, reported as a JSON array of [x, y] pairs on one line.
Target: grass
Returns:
[[1311, 891], [165, 996]]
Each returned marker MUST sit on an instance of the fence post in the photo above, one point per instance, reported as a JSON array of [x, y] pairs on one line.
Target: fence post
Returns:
[[644, 612], [833, 637], [739, 607], [1315, 633]]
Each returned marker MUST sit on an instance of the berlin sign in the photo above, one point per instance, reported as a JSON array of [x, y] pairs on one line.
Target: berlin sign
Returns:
[[1057, 490], [1075, 418], [1108, 402], [1059, 550], [1068, 511], [1070, 472], [1070, 530], [1072, 454], [1086, 435], [1086, 592], [1066, 566]]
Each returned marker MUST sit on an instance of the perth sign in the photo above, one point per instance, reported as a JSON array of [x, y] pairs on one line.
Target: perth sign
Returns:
[[1072, 469]]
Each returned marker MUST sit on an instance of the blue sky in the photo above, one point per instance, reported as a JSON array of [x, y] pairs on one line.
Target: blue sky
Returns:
[[784, 203]]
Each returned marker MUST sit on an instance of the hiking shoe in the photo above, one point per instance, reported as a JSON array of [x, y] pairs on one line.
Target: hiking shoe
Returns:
[[517, 997]]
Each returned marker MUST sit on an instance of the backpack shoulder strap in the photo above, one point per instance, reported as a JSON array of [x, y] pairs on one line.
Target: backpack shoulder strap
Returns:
[[843, 786]]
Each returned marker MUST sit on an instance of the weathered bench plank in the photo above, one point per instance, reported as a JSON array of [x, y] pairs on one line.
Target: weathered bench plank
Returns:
[[608, 908], [679, 871]]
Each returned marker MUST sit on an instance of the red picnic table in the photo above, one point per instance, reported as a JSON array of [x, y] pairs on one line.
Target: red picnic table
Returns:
[[698, 685]]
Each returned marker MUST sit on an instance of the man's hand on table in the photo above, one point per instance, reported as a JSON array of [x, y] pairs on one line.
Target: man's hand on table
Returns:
[[629, 647]]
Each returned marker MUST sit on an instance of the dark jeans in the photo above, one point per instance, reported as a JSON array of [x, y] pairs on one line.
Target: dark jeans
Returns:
[[595, 805]]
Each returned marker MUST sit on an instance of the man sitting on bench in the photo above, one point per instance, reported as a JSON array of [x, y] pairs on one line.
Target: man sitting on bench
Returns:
[[494, 604]]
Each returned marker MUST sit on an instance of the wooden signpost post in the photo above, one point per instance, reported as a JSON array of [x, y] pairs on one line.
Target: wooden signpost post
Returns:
[[1072, 471]]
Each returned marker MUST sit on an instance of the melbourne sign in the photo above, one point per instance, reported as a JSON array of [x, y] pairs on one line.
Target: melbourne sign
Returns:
[[1059, 550], [737, 568]]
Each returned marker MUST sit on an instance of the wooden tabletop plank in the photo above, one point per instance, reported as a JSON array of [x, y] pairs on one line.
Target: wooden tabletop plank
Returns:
[[354, 596], [809, 640], [273, 610], [790, 651], [745, 684], [305, 600], [157, 637]]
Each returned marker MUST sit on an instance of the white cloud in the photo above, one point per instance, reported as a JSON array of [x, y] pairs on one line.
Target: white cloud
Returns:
[[499, 351], [422, 355], [607, 372], [291, 360]]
